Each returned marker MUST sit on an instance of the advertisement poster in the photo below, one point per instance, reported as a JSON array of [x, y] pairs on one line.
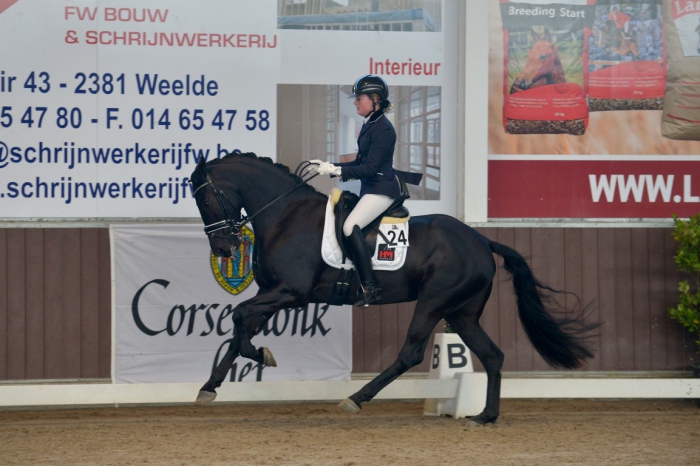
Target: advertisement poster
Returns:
[[554, 155], [172, 314], [106, 105]]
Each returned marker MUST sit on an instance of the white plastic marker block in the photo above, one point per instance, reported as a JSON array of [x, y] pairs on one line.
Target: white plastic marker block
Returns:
[[471, 396], [450, 356]]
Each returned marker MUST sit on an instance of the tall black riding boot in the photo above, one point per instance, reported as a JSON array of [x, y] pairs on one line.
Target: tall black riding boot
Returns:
[[362, 259]]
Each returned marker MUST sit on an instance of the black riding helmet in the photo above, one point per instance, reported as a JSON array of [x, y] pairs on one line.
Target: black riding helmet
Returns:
[[370, 84]]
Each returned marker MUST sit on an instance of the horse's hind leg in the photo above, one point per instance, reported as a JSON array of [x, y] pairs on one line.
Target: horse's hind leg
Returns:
[[466, 323], [492, 358], [410, 355]]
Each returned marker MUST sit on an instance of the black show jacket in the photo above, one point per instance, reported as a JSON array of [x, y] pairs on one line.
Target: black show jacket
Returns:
[[374, 163]]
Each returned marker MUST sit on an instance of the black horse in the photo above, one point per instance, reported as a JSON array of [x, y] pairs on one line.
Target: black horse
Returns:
[[449, 271]]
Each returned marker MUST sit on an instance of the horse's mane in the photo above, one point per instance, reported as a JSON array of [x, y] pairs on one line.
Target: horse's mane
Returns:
[[251, 155]]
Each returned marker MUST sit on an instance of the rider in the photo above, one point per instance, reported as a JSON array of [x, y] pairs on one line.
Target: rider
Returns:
[[621, 20], [373, 167]]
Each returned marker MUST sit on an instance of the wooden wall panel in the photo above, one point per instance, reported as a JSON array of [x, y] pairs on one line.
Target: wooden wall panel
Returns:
[[524, 352], [34, 279], [658, 325], [541, 267], [16, 305], [55, 302], [641, 330], [105, 304], [4, 315], [358, 339], [590, 279], [89, 302], [623, 300], [71, 303], [605, 302], [389, 335]]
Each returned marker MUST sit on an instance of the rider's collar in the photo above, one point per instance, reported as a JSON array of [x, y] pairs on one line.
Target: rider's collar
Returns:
[[374, 117]]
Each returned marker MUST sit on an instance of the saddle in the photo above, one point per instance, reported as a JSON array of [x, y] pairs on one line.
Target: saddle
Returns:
[[345, 201], [392, 225]]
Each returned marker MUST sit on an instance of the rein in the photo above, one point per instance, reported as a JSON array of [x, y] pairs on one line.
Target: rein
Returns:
[[236, 226]]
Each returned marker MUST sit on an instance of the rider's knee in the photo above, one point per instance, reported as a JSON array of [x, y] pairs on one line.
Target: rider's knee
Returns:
[[348, 228]]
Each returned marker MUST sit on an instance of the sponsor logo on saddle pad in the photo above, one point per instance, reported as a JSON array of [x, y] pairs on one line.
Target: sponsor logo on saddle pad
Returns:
[[234, 274], [385, 253]]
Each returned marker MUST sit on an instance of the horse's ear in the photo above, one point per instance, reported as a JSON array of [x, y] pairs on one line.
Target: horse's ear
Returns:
[[200, 172], [547, 35], [201, 168], [535, 35]]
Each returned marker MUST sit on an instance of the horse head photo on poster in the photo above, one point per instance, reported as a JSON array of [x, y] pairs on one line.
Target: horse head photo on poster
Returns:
[[543, 65]]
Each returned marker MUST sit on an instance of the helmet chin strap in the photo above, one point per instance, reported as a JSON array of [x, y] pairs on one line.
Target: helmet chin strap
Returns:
[[374, 109]]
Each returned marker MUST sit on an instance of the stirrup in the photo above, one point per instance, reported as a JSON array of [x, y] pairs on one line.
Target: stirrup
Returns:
[[370, 294]]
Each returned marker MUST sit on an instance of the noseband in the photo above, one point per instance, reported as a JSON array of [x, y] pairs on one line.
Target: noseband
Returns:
[[236, 226]]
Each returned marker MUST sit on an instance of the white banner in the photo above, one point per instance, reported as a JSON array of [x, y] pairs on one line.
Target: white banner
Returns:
[[172, 315], [106, 105]]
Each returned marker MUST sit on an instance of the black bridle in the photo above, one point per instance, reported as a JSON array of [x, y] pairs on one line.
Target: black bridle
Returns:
[[236, 226]]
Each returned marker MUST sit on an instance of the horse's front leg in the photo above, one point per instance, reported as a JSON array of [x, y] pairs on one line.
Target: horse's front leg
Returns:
[[264, 303], [208, 391], [246, 348]]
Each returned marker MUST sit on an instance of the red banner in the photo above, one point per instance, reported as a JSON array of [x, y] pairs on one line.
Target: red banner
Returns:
[[593, 189]]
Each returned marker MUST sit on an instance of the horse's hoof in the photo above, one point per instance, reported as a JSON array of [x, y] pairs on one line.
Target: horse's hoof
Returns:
[[268, 358], [348, 405], [205, 397], [481, 421]]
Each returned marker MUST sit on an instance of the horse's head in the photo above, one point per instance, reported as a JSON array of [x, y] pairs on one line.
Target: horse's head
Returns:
[[543, 65], [220, 208]]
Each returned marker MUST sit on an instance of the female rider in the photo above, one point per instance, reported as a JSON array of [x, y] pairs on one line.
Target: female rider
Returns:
[[373, 167]]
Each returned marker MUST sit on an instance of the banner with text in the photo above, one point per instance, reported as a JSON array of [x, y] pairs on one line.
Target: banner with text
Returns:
[[172, 316], [106, 105]]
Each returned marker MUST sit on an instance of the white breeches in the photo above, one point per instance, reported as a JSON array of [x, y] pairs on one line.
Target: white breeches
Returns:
[[367, 209]]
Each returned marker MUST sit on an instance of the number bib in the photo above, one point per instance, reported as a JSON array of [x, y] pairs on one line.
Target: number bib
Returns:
[[391, 255]]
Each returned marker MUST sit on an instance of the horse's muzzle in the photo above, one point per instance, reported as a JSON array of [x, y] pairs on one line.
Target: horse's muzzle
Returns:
[[520, 85], [225, 246], [232, 252]]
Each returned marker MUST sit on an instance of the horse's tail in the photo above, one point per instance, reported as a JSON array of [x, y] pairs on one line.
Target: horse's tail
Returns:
[[561, 341]]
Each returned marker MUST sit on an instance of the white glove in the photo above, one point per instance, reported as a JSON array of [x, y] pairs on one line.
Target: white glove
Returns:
[[326, 168], [313, 165]]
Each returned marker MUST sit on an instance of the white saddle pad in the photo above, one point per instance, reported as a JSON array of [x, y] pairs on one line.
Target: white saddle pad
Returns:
[[387, 258]]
